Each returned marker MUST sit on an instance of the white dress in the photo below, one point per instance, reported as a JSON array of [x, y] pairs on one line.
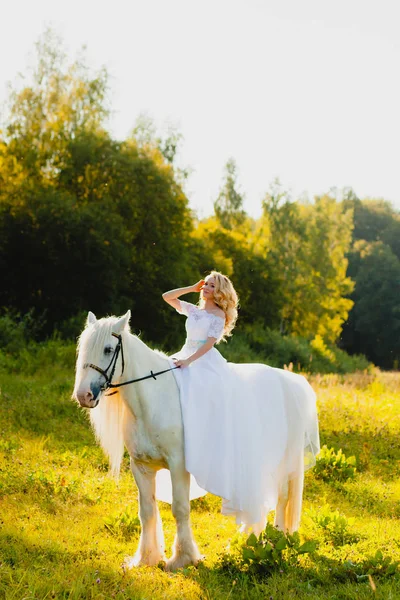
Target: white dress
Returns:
[[244, 424]]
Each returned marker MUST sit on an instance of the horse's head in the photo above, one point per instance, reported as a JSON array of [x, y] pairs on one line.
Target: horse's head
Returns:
[[96, 357]]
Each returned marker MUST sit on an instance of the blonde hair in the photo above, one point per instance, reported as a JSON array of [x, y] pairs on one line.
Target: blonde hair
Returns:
[[226, 298]]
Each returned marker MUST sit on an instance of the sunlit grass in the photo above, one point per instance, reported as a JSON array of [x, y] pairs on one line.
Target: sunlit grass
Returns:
[[66, 526]]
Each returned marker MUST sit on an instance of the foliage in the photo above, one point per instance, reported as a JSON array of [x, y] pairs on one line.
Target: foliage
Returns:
[[20, 353], [256, 343], [234, 252], [228, 206], [49, 483], [59, 102], [124, 523], [334, 525], [376, 333], [378, 565], [104, 225], [374, 264], [334, 466], [93, 223], [374, 220], [272, 550], [16, 330], [308, 243]]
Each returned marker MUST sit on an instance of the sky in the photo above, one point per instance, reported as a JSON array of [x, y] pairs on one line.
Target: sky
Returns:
[[307, 91]]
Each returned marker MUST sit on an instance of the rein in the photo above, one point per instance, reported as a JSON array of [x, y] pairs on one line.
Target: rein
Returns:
[[108, 378]]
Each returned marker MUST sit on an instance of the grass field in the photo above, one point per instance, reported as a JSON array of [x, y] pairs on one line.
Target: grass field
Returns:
[[66, 526]]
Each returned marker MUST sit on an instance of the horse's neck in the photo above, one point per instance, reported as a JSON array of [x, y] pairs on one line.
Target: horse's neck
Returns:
[[141, 359], [143, 397]]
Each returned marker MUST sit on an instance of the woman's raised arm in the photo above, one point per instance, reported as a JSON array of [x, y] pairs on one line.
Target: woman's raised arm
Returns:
[[172, 296]]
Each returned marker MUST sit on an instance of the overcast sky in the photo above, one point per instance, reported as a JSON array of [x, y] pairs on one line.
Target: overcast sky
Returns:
[[307, 91]]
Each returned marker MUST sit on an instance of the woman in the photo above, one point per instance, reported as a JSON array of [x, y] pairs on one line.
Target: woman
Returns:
[[213, 320], [235, 416]]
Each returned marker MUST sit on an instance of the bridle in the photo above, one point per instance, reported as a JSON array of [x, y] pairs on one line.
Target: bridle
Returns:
[[108, 377]]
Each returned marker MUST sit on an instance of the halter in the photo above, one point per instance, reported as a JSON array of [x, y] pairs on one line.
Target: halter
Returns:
[[108, 378]]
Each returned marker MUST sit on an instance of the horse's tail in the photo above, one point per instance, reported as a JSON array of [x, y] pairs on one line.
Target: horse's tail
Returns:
[[107, 420]]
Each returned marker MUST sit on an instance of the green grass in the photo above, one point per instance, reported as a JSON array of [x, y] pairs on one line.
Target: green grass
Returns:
[[66, 526]]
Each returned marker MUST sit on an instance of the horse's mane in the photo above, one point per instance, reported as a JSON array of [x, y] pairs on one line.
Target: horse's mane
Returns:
[[93, 338], [107, 418]]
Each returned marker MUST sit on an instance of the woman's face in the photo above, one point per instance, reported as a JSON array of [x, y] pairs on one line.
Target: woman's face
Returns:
[[208, 288]]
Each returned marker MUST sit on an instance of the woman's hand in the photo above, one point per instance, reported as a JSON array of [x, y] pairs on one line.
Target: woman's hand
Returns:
[[182, 363], [197, 287]]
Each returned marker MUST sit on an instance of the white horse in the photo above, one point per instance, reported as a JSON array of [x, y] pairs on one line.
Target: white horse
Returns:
[[145, 416]]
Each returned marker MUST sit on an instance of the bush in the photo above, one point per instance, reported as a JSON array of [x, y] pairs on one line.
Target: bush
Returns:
[[17, 330], [125, 523], [33, 357], [273, 550], [21, 353], [51, 484], [334, 466], [378, 565], [255, 343], [334, 525], [250, 344]]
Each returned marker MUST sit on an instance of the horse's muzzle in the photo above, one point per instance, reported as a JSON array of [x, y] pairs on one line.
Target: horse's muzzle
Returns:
[[88, 400]]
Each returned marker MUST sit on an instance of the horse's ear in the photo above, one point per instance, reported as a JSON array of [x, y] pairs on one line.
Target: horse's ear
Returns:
[[91, 318], [122, 322]]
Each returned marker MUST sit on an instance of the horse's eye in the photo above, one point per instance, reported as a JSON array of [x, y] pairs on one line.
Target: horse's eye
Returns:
[[108, 350]]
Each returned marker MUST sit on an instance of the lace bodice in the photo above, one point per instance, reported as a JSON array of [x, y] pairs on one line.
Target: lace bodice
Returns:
[[200, 324]]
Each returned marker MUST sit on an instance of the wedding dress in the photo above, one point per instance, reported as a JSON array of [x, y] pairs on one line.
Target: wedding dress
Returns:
[[244, 424]]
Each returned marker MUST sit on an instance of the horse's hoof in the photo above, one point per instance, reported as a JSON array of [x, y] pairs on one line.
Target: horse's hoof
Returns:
[[179, 562], [142, 561]]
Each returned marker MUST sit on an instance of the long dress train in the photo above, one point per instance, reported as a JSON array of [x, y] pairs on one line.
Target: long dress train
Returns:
[[244, 424]]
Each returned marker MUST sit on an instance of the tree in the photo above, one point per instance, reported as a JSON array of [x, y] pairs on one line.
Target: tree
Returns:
[[236, 253], [373, 264], [147, 137], [373, 327], [374, 219], [61, 101], [228, 206], [96, 224], [60, 258], [308, 243]]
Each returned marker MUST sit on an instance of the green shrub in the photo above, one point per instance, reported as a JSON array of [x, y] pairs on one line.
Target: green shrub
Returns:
[[15, 331], [125, 523], [35, 357], [334, 525], [273, 550], [71, 328], [52, 484], [255, 343], [19, 352], [239, 350], [334, 466], [378, 565], [281, 350]]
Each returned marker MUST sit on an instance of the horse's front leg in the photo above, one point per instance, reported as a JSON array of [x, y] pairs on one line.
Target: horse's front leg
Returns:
[[151, 543], [185, 551]]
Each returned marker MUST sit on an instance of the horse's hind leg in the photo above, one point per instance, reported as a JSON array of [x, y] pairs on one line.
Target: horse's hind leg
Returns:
[[280, 511], [185, 551], [288, 508], [295, 498], [151, 543]]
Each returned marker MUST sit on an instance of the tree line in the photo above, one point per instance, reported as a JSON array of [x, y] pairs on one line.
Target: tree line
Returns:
[[88, 222]]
